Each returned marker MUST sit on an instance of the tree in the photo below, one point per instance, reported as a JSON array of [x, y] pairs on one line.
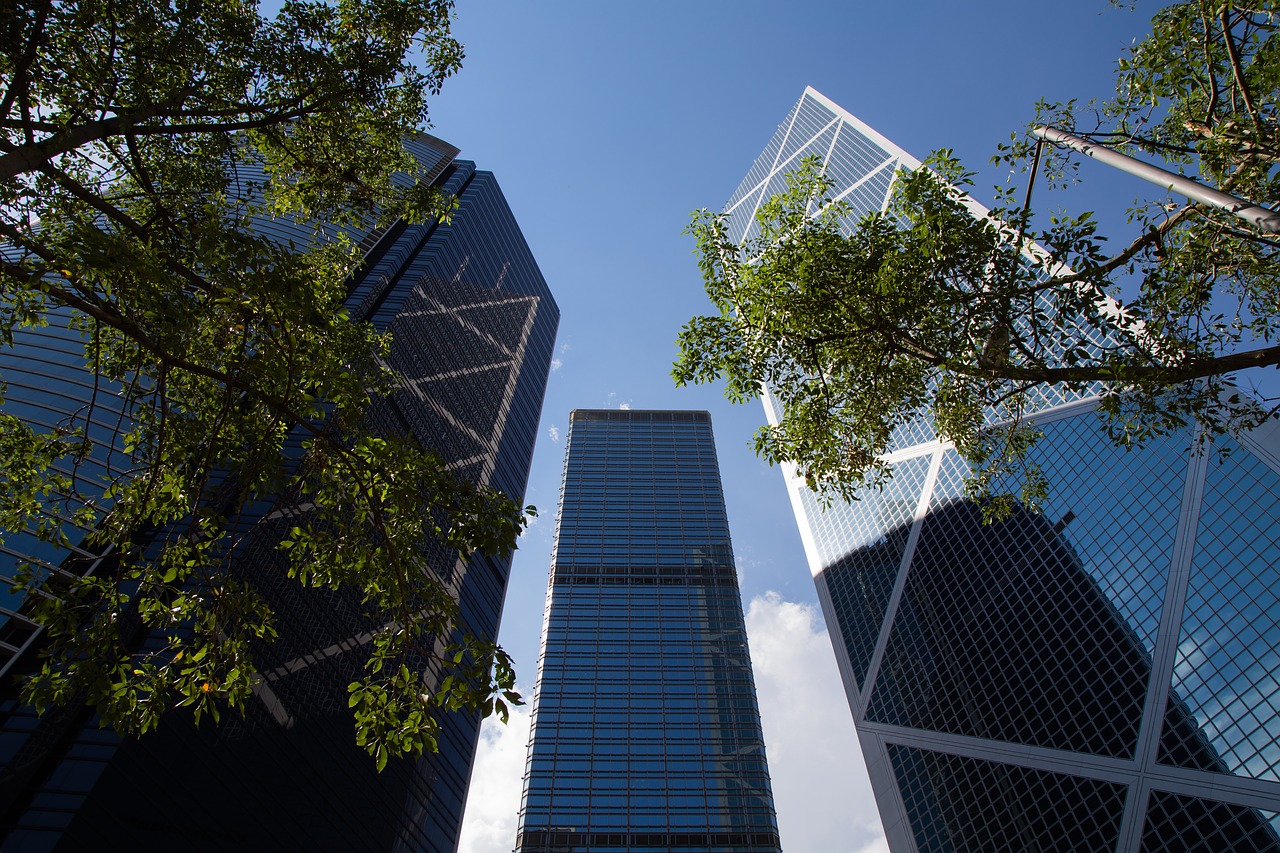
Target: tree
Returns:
[[859, 327], [140, 144]]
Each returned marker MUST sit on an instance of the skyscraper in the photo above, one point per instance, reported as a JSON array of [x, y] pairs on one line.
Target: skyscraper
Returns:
[[646, 732], [473, 327], [1097, 677]]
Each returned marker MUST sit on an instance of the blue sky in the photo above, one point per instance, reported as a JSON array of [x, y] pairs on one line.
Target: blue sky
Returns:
[[606, 124]]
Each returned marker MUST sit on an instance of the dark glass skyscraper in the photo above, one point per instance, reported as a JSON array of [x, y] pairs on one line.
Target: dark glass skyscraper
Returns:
[[646, 732], [473, 327], [1101, 676]]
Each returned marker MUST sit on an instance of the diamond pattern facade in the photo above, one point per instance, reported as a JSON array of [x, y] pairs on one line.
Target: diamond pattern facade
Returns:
[[1101, 676]]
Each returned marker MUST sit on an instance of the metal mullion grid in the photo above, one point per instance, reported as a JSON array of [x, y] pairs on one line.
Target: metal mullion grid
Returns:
[[1236, 552], [884, 783], [786, 135], [1251, 793], [1121, 770], [778, 166], [882, 642], [1166, 651], [763, 164], [1142, 774], [892, 162]]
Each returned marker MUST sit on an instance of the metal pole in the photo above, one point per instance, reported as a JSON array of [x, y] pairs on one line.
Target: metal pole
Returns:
[[1264, 219]]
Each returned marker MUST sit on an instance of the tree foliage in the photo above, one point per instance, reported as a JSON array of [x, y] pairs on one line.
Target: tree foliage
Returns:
[[861, 326], [139, 144]]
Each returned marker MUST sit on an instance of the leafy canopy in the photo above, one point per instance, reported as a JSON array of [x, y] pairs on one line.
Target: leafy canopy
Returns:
[[146, 151], [860, 326]]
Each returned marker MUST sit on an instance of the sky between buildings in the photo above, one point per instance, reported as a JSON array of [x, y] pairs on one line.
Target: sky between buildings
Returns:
[[606, 123]]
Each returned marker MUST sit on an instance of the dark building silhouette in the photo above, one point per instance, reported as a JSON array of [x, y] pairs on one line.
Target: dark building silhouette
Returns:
[[473, 326]]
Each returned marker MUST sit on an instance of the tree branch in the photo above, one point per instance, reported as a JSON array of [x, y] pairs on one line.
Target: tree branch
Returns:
[[1164, 375], [140, 337], [280, 107], [118, 216], [33, 155], [1212, 106], [1236, 70], [221, 127], [18, 79], [1152, 235]]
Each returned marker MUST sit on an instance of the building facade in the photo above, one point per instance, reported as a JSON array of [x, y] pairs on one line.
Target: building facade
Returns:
[[1100, 676], [646, 732], [473, 325]]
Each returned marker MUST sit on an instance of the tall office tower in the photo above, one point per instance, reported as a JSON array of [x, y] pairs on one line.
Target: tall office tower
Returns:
[[646, 733], [473, 327], [1097, 677]]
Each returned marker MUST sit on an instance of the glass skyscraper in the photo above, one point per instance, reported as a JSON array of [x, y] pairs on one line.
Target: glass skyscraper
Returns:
[[473, 325], [646, 732], [1101, 676]]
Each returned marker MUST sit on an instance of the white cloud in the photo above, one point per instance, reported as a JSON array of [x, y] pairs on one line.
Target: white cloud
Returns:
[[493, 803], [554, 433], [564, 348], [625, 406], [820, 783], [556, 364]]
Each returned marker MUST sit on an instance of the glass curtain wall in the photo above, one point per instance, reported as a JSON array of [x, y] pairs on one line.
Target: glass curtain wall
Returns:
[[646, 732]]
